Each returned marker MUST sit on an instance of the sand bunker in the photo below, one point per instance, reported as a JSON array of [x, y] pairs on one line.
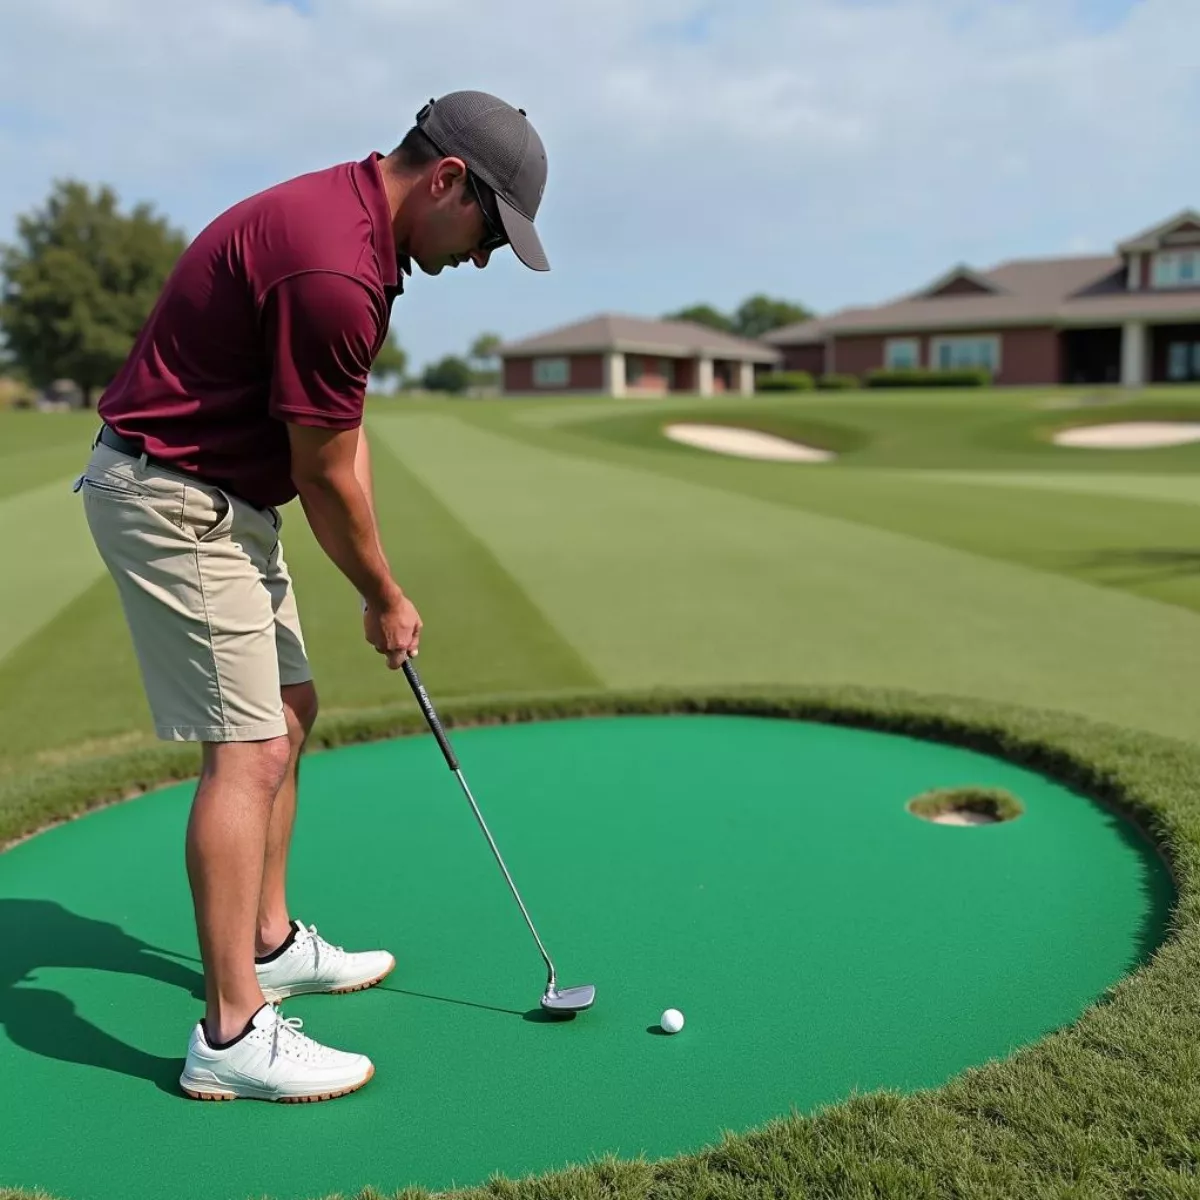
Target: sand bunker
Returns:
[[1130, 435], [745, 443]]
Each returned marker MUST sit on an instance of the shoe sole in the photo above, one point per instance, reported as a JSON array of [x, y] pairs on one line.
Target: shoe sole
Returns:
[[194, 1095], [274, 995]]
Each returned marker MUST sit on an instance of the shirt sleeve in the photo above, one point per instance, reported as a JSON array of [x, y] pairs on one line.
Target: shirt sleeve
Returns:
[[321, 330]]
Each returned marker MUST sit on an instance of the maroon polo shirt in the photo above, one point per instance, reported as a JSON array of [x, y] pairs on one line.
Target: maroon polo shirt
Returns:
[[273, 314]]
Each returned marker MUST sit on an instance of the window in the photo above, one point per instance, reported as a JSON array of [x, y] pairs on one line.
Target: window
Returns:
[[1177, 268], [900, 353], [551, 372], [1183, 361], [633, 369], [953, 353]]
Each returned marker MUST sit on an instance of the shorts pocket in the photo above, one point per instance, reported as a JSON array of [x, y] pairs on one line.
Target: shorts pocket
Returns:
[[207, 512], [118, 490]]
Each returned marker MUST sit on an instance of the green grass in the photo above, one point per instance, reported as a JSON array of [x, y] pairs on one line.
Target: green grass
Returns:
[[925, 430], [645, 429], [41, 448], [50, 681], [969, 472], [660, 579], [953, 575]]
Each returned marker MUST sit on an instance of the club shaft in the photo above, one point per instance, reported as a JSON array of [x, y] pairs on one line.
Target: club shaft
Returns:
[[496, 851], [443, 741]]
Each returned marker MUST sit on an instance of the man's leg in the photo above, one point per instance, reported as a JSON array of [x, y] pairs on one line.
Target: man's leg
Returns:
[[290, 957], [274, 917], [226, 844], [190, 563]]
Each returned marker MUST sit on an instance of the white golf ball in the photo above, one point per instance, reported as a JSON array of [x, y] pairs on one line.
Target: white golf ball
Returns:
[[671, 1021]]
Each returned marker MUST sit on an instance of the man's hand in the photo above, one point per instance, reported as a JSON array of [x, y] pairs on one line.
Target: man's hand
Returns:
[[394, 630]]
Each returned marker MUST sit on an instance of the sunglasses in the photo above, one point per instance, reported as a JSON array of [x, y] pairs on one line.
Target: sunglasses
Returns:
[[494, 236]]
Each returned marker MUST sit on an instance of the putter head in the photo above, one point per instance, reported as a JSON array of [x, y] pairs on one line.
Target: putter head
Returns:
[[563, 1000]]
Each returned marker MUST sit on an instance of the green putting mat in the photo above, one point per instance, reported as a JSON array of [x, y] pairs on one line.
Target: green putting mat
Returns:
[[763, 876]]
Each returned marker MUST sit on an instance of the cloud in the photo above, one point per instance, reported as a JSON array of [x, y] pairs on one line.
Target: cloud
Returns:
[[833, 151]]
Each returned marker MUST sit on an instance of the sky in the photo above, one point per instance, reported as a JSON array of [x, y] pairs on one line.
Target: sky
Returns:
[[829, 152]]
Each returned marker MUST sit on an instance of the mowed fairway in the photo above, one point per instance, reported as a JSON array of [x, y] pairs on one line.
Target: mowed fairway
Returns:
[[951, 576], [568, 545]]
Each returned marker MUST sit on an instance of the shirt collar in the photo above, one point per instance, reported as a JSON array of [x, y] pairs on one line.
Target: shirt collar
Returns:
[[393, 265]]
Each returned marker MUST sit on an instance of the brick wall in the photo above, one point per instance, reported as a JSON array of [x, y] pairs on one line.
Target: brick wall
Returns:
[[586, 374]]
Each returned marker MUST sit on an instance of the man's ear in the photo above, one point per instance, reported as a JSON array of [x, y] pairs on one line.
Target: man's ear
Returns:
[[446, 175]]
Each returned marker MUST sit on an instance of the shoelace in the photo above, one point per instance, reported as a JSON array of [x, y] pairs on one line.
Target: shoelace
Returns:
[[300, 1042], [321, 945], [292, 1024]]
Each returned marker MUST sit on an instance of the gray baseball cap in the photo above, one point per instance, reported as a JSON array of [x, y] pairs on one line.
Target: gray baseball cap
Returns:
[[502, 148]]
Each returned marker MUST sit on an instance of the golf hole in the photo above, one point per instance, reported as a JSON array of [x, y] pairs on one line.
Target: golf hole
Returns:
[[966, 806]]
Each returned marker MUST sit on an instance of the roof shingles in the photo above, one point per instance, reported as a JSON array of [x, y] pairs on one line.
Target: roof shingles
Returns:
[[615, 331], [1047, 291]]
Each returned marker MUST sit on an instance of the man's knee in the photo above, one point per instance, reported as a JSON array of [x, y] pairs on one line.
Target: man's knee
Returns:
[[259, 765], [274, 757], [300, 702]]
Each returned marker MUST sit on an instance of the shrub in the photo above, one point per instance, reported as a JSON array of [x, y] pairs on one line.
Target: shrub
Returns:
[[14, 393], [924, 377], [837, 383], [451, 374], [786, 381]]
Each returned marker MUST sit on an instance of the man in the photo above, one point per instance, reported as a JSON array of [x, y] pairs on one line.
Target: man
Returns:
[[244, 390]]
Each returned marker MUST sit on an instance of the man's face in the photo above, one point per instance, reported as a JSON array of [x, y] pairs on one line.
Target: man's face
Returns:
[[450, 226]]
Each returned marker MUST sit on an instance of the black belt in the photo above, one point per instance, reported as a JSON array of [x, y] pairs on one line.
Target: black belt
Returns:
[[114, 441], [111, 438]]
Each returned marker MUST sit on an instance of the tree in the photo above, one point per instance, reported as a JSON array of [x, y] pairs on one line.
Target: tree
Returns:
[[452, 374], [760, 314], [703, 314], [483, 351], [80, 282], [484, 356], [391, 362]]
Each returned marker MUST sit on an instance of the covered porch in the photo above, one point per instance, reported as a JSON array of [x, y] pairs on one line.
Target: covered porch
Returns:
[[1133, 354], [630, 374]]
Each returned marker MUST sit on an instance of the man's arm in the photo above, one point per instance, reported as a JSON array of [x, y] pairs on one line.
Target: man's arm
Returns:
[[362, 471], [321, 328], [331, 471]]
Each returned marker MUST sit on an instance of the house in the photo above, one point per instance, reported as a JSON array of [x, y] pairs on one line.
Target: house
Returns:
[[616, 355], [1131, 317]]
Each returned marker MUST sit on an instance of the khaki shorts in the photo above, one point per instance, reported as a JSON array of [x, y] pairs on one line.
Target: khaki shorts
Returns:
[[206, 594]]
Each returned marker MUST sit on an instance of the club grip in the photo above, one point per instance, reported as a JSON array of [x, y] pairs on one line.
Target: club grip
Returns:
[[435, 724]]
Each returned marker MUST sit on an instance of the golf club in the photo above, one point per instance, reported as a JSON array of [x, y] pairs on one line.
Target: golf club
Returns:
[[556, 999]]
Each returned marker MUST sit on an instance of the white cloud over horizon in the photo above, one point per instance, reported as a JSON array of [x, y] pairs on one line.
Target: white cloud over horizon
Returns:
[[829, 151]]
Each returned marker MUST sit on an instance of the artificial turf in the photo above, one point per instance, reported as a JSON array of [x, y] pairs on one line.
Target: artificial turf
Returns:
[[762, 875], [566, 547]]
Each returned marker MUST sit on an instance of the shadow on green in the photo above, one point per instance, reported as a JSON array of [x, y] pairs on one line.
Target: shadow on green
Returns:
[[42, 934]]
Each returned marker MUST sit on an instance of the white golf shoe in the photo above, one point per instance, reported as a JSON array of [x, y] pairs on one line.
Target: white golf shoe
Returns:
[[272, 1060], [307, 963]]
